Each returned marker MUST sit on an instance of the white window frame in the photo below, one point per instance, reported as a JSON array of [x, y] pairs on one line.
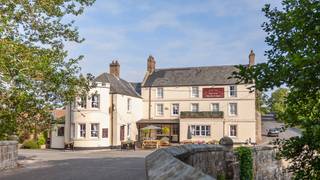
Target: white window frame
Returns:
[[128, 129], [236, 130], [157, 108], [129, 104], [193, 93], [173, 109], [233, 93], [97, 103], [82, 131], [197, 130], [96, 130], [160, 90], [236, 109], [211, 107], [197, 106]]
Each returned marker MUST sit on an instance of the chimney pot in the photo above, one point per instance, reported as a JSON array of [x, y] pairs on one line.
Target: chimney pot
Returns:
[[115, 68], [251, 58]]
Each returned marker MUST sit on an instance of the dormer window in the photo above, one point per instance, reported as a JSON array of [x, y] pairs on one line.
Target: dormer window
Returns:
[[159, 92], [195, 92], [233, 91], [95, 101]]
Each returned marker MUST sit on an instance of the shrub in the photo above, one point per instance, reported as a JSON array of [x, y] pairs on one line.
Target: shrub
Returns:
[[30, 144], [41, 140], [246, 163]]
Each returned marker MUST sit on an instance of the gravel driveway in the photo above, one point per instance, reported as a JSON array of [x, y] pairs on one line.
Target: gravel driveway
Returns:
[[78, 165]]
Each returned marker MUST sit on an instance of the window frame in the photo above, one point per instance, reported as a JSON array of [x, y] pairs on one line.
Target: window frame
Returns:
[[198, 107], [199, 130], [197, 94], [129, 105], [157, 93], [97, 106], [97, 130], [236, 130], [173, 109], [157, 108], [233, 93], [236, 109], [212, 105], [81, 132]]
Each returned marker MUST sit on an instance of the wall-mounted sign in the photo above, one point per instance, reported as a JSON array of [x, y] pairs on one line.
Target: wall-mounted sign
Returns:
[[213, 92]]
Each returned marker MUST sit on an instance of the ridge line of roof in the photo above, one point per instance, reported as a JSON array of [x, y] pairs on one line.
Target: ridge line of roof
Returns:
[[182, 68]]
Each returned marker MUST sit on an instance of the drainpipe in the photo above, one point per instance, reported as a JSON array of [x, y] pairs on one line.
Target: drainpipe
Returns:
[[111, 129]]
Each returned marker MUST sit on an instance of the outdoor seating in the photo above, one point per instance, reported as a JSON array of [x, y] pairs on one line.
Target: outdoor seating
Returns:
[[150, 144], [164, 141], [128, 145]]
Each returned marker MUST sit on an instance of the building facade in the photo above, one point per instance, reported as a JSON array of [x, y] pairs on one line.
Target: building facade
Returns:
[[199, 104], [104, 117]]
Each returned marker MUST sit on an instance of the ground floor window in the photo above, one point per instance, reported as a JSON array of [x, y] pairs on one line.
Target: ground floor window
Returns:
[[201, 130], [82, 128], [60, 131], [94, 130], [105, 133], [233, 130]]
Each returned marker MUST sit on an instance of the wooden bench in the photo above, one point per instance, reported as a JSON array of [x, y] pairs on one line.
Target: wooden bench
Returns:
[[150, 144]]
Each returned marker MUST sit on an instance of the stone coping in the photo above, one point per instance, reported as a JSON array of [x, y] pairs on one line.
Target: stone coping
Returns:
[[6, 143]]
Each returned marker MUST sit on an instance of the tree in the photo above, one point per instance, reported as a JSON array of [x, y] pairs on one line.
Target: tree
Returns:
[[35, 76], [262, 102], [293, 33], [277, 101]]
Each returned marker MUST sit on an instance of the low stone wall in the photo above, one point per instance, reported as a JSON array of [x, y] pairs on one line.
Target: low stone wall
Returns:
[[210, 162], [8, 154]]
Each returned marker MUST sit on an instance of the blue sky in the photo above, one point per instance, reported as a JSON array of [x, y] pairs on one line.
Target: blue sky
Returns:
[[178, 33]]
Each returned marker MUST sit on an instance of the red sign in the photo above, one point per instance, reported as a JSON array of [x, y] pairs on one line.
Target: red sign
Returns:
[[213, 92]]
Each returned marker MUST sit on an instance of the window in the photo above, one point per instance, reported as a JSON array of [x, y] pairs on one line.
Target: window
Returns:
[[83, 102], [159, 92], [233, 130], [82, 128], [195, 107], [129, 105], [215, 107], [233, 109], [128, 129], [233, 91], [201, 130], [60, 131], [105, 133], [159, 109], [175, 109], [95, 101], [195, 92], [94, 130]]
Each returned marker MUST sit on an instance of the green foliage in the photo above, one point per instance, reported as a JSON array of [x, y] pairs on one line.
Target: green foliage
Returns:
[[246, 163], [278, 101], [30, 144], [262, 103], [221, 176], [165, 130], [41, 140], [293, 33], [35, 74]]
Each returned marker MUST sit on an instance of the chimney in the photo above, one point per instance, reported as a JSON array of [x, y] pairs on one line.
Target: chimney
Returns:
[[251, 58], [115, 68], [151, 66]]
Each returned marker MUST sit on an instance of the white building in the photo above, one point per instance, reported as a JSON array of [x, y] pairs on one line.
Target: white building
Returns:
[[103, 118]]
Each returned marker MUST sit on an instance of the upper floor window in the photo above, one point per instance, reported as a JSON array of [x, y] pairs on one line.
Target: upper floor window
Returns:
[[233, 109], [201, 130], [83, 102], [95, 101], [195, 107], [159, 109], [175, 109], [215, 107], [233, 91], [94, 130], [129, 105], [195, 92], [159, 92], [233, 130]]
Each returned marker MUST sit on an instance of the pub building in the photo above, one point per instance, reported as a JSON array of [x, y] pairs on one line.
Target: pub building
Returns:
[[198, 104]]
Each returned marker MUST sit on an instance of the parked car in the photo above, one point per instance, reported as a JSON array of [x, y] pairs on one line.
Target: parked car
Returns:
[[280, 129], [273, 132]]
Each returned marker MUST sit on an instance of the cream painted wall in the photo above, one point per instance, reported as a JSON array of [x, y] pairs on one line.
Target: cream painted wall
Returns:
[[89, 116], [124, 117]]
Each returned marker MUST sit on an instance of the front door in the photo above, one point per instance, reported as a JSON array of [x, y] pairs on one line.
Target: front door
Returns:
[[121, 133]]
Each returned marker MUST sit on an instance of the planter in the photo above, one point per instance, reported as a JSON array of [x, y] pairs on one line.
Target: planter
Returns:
[[43, 146]]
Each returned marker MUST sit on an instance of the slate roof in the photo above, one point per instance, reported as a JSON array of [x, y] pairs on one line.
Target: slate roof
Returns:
[[192, 76], [117, 85], [136, 86]]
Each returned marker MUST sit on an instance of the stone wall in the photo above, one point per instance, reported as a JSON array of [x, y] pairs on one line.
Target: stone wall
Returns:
[[209, 162], [8, 154]]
